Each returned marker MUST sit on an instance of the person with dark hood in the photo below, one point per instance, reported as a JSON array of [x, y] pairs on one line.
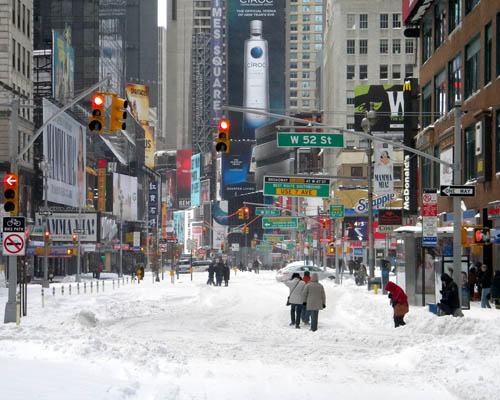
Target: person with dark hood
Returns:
[[226, 273], [219, 272], [450, 302], [495, 288], [314, 299], [295, 298], [211, 272], [399, 302], [306, 315]]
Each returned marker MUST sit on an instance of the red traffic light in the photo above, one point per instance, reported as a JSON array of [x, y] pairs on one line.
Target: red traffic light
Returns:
[[97, 100], [223, 125], [46, 235], [246, 210], [10, 180]]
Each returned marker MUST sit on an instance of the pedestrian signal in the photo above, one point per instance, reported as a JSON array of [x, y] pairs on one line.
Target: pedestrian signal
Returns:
[[481, 236]]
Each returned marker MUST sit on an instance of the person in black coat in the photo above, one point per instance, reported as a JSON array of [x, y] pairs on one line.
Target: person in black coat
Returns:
[[211, 271], [226, 274], [450, 302], [219, 272], [495, 288]]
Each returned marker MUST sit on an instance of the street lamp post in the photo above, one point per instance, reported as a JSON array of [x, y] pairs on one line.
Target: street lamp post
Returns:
[[44, 166], [120, 273]]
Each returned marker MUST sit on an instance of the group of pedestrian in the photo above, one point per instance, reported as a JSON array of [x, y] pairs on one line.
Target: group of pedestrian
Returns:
[[221, 271], [480, 281], [307, 297]]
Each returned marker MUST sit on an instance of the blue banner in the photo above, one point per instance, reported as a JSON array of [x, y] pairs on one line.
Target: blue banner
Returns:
[[195, 180]]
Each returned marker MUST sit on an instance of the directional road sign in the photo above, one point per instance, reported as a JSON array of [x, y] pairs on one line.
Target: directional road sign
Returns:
[[263, 247], [313, 139], [13, 244], [283, 222], [266, 211], [457, 191], [336, 211], [296, 186], [274, 238]]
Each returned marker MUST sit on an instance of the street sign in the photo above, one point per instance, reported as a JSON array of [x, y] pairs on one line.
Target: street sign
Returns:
[[283, 223], [296, 186], [313, 139], [274, 238], [162, 247], [457, 191], [235, 246], [78, 231], [263, 247], [45, 213], [13, 244], [429, 217], [336, 211], [267, 211], [290, 246], [14, 224]]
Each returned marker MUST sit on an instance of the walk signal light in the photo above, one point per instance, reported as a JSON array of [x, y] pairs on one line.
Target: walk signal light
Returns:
[[246, 212], [241, 214], [96, 120], [222, 143], [481, 236], [75, 238], [118, 114], [11, 193]]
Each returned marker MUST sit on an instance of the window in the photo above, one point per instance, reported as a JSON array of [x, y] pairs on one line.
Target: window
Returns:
[[306, 65], [293, 75], [306, 84], [363, 72], [306, 75], [426, 105], [455, 14], [306, 28], [318, 28], [469, 153], [293, 93], [409, 46], [306, 37], [306, 56], [384, 21], [293, 84], [396, 71], [23, 70], [396, 20], [293, 18], [363, 21], [306, 9], [396, 46], [318, 18], [13, 53], [305, 103], [356, 171], [293, 36], [19, 14], [497, 141], [306, 18], [384, 71], [293, 46], [18, 57], [398, 173], [487, 52], [408, 70], [293, 65], [469, 5], [363, 46], [306, 93], [426, 39], [439, 23], [318, 9], [471, 78], [384, 46], [293, 56], [29, 69], [293, 8], [24, 19], [13, 12], [318, 37], [351, 44], [318, 46], [350, 97], [293, 28], [454, 81], [293, 103], [440, 102], [306, 46], [350, 72]]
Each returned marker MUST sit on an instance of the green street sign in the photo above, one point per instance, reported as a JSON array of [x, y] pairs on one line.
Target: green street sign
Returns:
[[274, 238], [267, 211], [301, 228], [336, 211], [290, 246], [310, 238], [263, 247], [296, 186], [282, 222], [312, 139]]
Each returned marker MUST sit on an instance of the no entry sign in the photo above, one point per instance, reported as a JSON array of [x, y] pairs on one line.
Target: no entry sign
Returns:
[[13, 244]]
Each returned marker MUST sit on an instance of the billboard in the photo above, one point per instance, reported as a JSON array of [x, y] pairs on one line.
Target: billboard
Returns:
[[125, 190], [195, 180], [184, 178], [387, 100], [64, 147], [63, 66], [217, 71], [171, 189], [205, 191], [149, 146], [179, 226], [256, 59], [63, 225], [383, 170], [138, 102]]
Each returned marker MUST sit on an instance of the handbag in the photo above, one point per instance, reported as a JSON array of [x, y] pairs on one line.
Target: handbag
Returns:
[[288, 298]]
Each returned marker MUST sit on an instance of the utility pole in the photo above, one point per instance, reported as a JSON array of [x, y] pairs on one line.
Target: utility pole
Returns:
[[44, 166], [120, 272], [80, 232], [457, 209]]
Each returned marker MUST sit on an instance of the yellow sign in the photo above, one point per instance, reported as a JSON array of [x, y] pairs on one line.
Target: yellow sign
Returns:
[[296, 192]]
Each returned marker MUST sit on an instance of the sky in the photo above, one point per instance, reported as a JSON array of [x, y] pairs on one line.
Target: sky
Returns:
[[188, 340], [162, 13]]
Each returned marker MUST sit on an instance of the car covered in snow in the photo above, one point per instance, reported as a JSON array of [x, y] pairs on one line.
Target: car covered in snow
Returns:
[[183, 266], [300, 267]]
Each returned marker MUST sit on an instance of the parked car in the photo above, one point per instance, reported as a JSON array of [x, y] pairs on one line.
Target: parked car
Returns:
[[201, 265], [183, 266], [300, 267]]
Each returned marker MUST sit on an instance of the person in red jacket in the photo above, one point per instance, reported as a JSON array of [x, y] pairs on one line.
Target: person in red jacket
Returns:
[[399, 301]]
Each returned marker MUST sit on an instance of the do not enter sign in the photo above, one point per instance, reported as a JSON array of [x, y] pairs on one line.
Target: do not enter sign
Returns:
[[13, 245]]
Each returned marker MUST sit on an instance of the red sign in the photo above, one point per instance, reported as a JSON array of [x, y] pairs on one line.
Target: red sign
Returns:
[[13, 244], [408, 6], [429, 205]]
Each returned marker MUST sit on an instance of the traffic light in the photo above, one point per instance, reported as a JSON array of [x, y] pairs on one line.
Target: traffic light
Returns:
[[11, 193], [74, 238], [222, 143], [222, 246], [481, 236], [46, 236], [96, 120], [463, 236], [245, 230], [241, 214], [118, 114], [323, 221], [246, 212], [331, 249]]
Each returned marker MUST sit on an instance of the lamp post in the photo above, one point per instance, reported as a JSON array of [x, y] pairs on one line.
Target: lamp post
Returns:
[[367, 123], [120, 272], [44, 166]]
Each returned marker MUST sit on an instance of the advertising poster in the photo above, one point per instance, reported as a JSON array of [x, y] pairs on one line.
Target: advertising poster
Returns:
[[220, 221], [217, 70], [63, 225], [179, 226], [64, 147], [152, 203], [256, 59], [171, 189], [383, 172], [138, 102], [125, 196], [195, 180], [205, 191], [386, 100], [101, 185], [63, 66], [149, 146], [184, 179]]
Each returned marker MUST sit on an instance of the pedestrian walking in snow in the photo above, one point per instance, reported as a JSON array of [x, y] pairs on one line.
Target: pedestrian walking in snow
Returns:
[[314, 299], [485, 286], [495, 288], [211, 272], [219, 272], [306, 315], [399, 302], [450, 302], [226, 274], [295, 298]]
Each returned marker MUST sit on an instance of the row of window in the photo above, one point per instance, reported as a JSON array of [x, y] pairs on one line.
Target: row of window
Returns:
[[21, 17], [397, 172], [383, 48], [307, 1], [304, 103], [318, 37], [383, 21], [21, 59], [306, 28], [307, 18], [305, 75], [383, 71], [306, 46], [448, 84], [303, 93], [305, 84], [295, 65], [307, 9]]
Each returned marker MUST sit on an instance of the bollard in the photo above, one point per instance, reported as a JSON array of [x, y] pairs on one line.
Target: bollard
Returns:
[[18, 308], [113, 284], [127, 280], [78, 288], [118, 283], [375, 289], [103, 286], [43, 299], [172, 276], [69, 289], [91, 287], [84, 287], [123, 281], [235, 269], [62, 290], [97, 287], [53, 291], [191, 272]]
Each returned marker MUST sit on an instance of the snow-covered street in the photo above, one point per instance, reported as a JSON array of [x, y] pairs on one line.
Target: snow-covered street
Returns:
[[193, 341]]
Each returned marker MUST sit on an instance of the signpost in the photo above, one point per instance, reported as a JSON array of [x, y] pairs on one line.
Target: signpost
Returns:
[[313, 139], [336, 211], [283, 223], [429, 218], [296, 186], [266, 211], [457, 191]]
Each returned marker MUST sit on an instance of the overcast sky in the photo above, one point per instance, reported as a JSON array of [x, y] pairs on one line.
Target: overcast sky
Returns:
[[162, 13]]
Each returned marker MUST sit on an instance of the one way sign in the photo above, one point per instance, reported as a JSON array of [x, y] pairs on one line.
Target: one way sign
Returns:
[[457, 191]]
